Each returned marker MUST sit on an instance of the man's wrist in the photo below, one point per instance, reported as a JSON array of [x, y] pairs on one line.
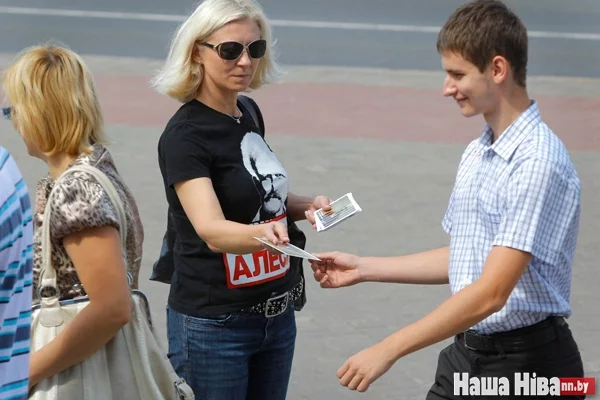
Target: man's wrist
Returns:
[[396, 344], [364, 270]]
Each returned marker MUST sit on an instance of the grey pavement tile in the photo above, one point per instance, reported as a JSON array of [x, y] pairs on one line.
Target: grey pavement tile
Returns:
[[403, 190]]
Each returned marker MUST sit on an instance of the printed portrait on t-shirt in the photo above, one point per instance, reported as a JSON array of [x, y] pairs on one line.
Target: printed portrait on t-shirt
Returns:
[[269, 176]]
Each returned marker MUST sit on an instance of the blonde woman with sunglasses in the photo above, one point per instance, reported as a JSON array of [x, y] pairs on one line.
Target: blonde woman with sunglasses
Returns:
[[230, 315]]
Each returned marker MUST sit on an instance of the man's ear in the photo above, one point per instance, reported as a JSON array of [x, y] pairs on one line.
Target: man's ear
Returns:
[[500, 69], [197, 54]]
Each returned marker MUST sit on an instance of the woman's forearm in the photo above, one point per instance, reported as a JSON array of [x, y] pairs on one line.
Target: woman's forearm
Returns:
[[91, 329], [297, 205], [231, 237], [203, 209]]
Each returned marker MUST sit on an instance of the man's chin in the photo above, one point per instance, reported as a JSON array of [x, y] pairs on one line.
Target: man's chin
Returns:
[[468, 112]]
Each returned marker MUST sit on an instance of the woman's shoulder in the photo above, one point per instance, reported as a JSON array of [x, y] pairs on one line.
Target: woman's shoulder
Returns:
[[75, 182], [78, 200], [202, 134]]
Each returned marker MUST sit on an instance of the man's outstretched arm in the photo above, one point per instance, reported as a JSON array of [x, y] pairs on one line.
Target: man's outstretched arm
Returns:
[[425, 268], [487, 295], [335, 269]]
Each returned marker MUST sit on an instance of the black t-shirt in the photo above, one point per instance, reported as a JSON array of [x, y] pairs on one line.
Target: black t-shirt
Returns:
[[252, 187]]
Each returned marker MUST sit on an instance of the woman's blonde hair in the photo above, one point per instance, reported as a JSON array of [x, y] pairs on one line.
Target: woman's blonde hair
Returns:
[[53, 97], [181, 77]]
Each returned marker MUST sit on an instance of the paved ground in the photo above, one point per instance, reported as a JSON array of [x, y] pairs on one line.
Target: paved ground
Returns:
[[386, 135], [382, 143]]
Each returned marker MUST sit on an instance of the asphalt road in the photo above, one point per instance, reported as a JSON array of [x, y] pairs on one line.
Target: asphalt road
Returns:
[[328, 46]]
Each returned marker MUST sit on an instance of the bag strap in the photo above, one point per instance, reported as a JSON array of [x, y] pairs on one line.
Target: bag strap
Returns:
[[251, 107], [47, 272]]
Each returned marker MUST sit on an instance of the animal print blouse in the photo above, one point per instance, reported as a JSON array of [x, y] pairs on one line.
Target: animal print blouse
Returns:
[[81, 203]]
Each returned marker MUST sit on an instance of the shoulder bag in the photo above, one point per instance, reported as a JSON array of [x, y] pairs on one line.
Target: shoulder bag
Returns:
[[130, 366]]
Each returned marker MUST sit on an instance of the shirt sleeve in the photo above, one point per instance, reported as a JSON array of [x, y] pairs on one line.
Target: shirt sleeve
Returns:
[[447, 221], [186, 155], [543, 207], [79, 203]]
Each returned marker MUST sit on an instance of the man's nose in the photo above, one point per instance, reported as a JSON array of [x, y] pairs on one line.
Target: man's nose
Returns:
[[449, 88]]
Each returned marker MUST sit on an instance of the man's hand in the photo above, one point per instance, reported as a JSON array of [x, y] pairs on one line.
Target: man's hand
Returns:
[[319, 202], [336, 269], [364, 368]]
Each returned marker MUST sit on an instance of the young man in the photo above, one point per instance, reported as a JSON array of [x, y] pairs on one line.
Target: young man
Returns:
[[16, 233], [513, 220]]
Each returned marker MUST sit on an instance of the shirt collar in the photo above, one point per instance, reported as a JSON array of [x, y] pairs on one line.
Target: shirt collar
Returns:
[[510, 139]]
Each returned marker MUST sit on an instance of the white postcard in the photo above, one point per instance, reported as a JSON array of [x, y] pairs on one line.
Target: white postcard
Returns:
[[289, 249], [341, 209]]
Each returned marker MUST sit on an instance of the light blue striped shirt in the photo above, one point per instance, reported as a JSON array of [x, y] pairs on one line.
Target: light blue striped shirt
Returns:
[[16, 251], [520, 192]]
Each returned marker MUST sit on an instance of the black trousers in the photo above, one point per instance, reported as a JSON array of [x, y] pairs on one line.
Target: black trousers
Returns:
[[547, 349]]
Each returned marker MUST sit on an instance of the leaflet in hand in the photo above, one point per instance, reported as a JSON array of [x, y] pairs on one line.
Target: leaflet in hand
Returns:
[[288, 249], [341, 209]]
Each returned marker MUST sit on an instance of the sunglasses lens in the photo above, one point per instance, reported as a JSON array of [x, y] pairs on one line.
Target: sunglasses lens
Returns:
[[258, 48], [6, 112], [230, 50]]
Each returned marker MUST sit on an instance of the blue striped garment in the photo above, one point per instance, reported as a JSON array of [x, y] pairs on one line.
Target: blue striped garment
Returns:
[[16, 253], [522, 192]]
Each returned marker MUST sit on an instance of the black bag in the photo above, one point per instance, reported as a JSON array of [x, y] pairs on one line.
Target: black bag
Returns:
[[163, 267]]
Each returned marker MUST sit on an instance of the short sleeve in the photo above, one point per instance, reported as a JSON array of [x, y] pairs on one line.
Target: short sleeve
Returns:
[[79, 203], [543, 207], [185, 155], [447, 221]]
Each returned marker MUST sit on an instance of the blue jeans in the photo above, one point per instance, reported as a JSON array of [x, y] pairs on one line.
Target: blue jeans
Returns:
[[233, 356]]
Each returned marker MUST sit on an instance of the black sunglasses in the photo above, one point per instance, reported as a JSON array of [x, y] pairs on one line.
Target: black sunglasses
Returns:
[[233, 50], [6, 112]]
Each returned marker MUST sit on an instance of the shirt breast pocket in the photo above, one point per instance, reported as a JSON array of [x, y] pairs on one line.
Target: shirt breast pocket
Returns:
[[490, 207]]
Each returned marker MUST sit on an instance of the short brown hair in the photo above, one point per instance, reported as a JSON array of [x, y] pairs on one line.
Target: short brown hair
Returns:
[[54, 99], [483, 29]]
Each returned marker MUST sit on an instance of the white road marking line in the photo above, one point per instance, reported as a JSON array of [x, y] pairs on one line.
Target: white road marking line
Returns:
[[275, 22]]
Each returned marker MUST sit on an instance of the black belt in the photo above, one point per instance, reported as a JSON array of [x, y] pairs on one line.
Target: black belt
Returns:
[[516, 340], [277, 304]]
